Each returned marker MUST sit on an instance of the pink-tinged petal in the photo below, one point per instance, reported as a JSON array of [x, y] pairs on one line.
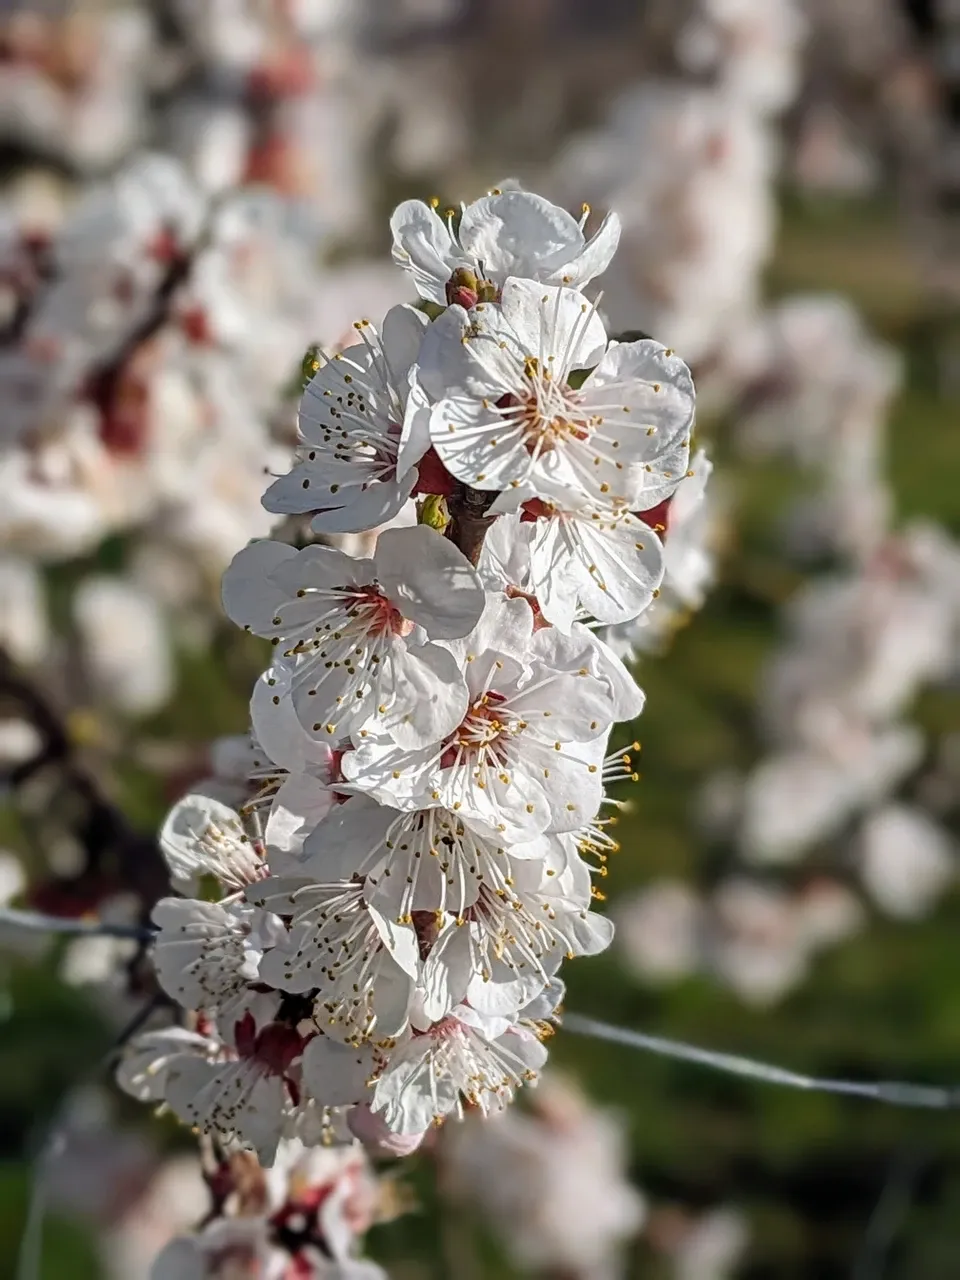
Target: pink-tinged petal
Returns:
[[371, 1130]]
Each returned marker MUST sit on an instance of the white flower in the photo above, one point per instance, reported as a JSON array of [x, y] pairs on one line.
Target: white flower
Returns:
[[795, 798], [427, 860], [225, 1247], [465, 1058], [524, 909], [509, 233], [690, 172], [712, 1246], [686, 525], [510, 415], [756, 941], [125, 644], [347, 623], [906, 860], [202, 837], [115, 251], [148, 1059], [551, 1180], [206, 954], [751, 46], [298, 774], [245, 1097], [351, 424], [333, 1188], [527, 755], [660, 931], [602, 562], [508, 946], [363, 965]]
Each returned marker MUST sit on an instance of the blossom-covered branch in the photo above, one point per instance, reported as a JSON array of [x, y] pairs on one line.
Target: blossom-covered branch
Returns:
[[370, 944]]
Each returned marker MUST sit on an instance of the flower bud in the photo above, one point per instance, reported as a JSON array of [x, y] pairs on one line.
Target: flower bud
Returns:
[[309, 364], [463, 288], [433, 512]]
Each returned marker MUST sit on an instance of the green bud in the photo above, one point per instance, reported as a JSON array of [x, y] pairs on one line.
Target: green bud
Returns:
[[433, 512], [309, 364], [430, 309]]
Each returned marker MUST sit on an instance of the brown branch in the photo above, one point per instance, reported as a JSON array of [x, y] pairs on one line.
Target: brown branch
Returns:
[[107, 837], [469, 521]]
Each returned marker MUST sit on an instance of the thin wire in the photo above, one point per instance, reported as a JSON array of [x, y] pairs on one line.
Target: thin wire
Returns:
[[895, 1092], [35, 922]]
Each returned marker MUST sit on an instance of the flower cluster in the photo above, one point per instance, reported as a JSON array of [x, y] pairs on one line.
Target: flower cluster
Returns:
[[373, 939]]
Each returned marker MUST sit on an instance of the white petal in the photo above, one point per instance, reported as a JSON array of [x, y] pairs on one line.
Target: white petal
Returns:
[[277, 726], [432, 695], [401, 334], [449, 365], [400, 940], [375, 506], [336, 1074], [446, 972], [410, 1095], [628, 698], [504, 997], [430, 581], [518, 233], [344, 843], [317, 566], [654, 394], [594, 258], [415, 430], [422, 245], [392, 994], [553, 321], [250, 599], [298, 806]]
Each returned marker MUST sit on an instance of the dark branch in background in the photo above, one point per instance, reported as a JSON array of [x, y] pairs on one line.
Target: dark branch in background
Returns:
[[114, 851], [114, 385]]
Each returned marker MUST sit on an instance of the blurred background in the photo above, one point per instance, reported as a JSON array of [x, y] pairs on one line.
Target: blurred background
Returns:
[[197, 190]]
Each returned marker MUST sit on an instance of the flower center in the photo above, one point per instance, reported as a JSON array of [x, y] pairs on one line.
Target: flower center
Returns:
[[481, 733], [547, 411], [374, 613]]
